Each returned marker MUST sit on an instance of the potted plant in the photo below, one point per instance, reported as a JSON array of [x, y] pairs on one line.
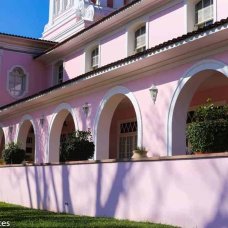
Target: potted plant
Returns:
[[139, 152], [13, 154], [209, 131]]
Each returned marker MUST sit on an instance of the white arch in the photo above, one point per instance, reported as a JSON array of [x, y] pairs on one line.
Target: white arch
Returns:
[[112, 92], [61, 107], [203, 65], [30, 119]]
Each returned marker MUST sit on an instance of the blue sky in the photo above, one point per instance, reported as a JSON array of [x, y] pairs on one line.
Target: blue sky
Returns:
[[23, 17]]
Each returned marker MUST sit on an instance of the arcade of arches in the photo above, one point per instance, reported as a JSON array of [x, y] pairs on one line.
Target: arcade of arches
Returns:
[[205, 84]]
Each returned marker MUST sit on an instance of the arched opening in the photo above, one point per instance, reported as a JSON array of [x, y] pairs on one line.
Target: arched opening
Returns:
[[2, 142], [26, 139], [118, 125], [123, 131], [204, 84], [63, 124]]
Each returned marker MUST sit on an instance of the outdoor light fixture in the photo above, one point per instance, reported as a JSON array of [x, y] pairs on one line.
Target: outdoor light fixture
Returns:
[[11, 129], [85, 109], [153, 92], [42, 120]]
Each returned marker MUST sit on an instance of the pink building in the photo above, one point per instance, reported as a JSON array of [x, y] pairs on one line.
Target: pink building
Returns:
[[95, 68]]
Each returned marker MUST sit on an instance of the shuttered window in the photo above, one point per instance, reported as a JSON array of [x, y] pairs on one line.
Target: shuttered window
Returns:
[[94, 58], [204, 13], [140, 39]]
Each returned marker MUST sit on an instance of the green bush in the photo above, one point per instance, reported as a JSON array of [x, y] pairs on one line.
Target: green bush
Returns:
[[209, 131], [13, 154], [77, 146]]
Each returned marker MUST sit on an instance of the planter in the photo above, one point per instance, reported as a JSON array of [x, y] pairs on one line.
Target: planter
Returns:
[[137, 154]]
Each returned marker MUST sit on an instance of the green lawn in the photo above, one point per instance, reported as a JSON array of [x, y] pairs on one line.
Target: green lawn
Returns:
[[24, 217]]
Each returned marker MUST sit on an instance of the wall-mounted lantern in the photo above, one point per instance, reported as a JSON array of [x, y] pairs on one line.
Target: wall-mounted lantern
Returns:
[[85, 109], [153, 92], [42, 119], [10, 129]]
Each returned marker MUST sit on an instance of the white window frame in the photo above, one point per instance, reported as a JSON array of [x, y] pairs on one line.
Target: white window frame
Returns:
[[94, 56], [138, 36], [190, 14], [203, 22], [131, 28], [125, 134], [88, 55], [55, 72], [26, 81]]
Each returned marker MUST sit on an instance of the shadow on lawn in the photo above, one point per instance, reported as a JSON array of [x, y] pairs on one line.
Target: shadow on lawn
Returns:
[[25, 217]]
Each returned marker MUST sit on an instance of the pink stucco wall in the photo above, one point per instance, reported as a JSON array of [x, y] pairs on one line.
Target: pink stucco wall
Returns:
[[74, 65], [113, 48], [166, 24], [217, 95], [37, 79], [186, 193], [222, 6]]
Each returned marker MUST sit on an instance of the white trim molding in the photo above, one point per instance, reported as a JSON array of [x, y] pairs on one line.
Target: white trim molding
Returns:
[[203, 65], [118, 90]]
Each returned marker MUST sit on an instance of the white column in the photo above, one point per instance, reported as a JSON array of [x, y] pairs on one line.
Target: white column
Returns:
[[51, 11], [61, 6]]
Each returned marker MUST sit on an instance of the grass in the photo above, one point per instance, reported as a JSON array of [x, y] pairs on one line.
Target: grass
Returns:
[[25, 217]]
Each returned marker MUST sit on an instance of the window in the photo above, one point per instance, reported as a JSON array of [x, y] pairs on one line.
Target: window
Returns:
[[140, 39], [17, 82], [203, 13], [95, 58], [59, 73], [127, 138], [110, 3]]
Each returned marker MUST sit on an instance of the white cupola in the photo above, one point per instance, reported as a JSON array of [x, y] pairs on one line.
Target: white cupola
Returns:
[[67, 17]]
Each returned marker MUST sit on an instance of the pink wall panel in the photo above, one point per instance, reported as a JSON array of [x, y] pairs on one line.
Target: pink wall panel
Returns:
[[113, 48], [186, 193], [37, 73], [166, 25], [74, 65]]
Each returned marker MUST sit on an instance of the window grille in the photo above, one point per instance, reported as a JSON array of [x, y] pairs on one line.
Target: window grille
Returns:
[[17, 80], [127, 139], [128, 127]]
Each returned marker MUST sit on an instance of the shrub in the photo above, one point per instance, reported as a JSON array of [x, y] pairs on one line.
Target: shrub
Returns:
[[77, 146], [13, 154], [209, 131]]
